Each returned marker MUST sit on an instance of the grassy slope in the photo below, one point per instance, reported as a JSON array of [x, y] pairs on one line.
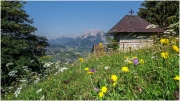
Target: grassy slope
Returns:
[[151, 80]]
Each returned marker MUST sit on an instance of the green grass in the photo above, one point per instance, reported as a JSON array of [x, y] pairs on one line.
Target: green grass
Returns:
[[152, 80]]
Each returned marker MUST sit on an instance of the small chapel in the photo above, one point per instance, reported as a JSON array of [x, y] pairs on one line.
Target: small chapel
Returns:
[[131, 31]]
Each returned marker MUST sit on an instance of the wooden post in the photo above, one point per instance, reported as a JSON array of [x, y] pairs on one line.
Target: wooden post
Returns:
[[123, 46]]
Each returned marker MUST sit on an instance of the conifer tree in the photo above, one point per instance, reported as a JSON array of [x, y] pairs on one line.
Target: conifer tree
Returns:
[[19, 46], [158, 12]]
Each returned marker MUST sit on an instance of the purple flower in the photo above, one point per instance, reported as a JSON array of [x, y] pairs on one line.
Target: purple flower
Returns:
[[135, 60], [93, 70], [96, 89], [177, 95]]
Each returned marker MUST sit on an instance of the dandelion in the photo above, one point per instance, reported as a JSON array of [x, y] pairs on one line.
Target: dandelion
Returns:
[[114, 84], [175, 48], [125, 69], [104, 89], [90, 72], [39, 91], [141, 61], [81, 59], [164, 41], [164, 55], [101, 45], [86, 69], [101, 94], [135, 60], [114, 78], [176, 78]]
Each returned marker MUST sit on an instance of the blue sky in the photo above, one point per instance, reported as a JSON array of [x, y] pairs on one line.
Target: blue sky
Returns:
[[72, 18]]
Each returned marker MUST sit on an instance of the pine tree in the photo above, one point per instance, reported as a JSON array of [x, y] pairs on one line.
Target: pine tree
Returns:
[[158, 12], [18, 45]]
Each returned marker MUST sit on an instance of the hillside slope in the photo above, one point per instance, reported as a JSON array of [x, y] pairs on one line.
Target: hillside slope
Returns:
[[142, 74]]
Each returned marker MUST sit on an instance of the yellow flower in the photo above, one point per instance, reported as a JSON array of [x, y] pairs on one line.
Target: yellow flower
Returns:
[[134, 57], [104, 89], [90, 72], [101, 94], [125, 69], [114, 78], [175, 48], [176, 78], [114, 84], [164, 55], [164, 41], [130, 62], [101, 45], [86, 69], [34, 76], [142, 61], [126, 57], [81, 59]]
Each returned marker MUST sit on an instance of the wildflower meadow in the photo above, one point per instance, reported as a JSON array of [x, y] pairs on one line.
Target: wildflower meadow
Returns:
[[29, 71], [147, 73]]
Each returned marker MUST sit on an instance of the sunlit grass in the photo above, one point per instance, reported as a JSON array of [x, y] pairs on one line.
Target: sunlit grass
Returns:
[[153, 77]]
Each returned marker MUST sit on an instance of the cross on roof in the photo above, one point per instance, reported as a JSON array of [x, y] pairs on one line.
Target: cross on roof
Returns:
[[131, 11]]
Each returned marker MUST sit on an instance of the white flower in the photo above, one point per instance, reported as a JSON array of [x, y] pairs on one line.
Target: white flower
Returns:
[[25, 67], [12, 73], [17, 92], [56, 73], [152, 26], [47, 64], [39, 91], [153, 57], [106, 67], [23, 80], [60, 70], [42, 97], [64, 68], [8, 64], [37, 80], [32, 60]]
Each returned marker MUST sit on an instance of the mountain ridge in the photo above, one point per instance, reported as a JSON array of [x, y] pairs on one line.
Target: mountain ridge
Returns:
[[86, 39]]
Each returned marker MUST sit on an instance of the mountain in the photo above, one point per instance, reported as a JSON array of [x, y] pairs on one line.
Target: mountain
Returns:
[[60, 40], [86, 40]]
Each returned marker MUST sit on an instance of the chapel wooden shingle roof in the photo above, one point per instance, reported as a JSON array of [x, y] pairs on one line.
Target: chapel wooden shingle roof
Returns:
[[132, 23]]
